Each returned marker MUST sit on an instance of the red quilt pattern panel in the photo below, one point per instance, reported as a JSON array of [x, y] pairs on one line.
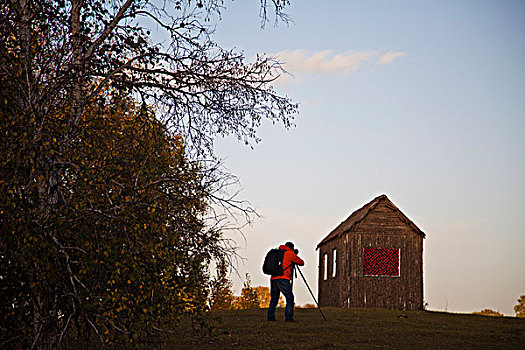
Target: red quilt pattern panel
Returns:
[[381, 261]]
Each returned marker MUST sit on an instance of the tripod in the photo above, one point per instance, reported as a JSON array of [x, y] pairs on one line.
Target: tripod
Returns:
[[306, 283]]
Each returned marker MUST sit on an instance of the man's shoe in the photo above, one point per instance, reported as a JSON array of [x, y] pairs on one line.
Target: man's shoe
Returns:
[[291, 321], [271, 320]]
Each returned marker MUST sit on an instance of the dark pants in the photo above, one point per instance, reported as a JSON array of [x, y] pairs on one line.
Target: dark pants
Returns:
[[276, 287]]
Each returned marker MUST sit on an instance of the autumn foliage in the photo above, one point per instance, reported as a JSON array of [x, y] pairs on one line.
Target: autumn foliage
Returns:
[[488, 312], [221, 294], [124, 249], [112, 203], [249, 298], [519, 308], [265, 297]]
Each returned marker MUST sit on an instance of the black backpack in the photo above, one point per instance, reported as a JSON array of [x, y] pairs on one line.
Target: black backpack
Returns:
[[273, 262]]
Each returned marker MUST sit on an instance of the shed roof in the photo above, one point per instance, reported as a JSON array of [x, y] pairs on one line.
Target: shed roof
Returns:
[[358, 215]]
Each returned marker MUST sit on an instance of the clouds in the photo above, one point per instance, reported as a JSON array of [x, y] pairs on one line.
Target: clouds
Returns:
[[389, 57], [322, 62], [327, 62]]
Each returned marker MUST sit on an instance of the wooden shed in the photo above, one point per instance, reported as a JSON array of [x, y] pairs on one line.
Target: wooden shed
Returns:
[[373, 259]]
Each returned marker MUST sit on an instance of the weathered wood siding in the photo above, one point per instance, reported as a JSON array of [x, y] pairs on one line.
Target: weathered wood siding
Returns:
[[383, 227], [330, 288]]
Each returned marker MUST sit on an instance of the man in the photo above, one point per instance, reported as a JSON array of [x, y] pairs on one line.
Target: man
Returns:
[[282, 284]]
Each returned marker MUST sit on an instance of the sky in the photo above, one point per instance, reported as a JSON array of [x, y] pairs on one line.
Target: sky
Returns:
[[423, 101]]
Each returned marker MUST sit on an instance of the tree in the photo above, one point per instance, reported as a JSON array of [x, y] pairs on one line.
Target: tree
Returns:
[[519, 308], [107, 175], [124, 251], [264, 297], [221, 295], [67, 53], [249, 298], [488, 312], [308, 306]]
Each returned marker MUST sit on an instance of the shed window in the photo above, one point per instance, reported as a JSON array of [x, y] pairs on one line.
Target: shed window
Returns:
[[325, 267], [381, 261], [334, 266]]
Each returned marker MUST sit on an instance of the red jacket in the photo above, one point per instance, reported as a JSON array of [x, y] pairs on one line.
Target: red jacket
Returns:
[[288, 258]]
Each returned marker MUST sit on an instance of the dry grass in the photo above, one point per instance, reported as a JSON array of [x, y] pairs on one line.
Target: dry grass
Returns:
[[358, 329]]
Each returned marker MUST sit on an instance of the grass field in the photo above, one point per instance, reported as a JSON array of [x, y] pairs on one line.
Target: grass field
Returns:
[[358, 329]]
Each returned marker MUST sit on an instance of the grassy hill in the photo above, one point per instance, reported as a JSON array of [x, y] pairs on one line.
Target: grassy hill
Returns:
[[359, 329]]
